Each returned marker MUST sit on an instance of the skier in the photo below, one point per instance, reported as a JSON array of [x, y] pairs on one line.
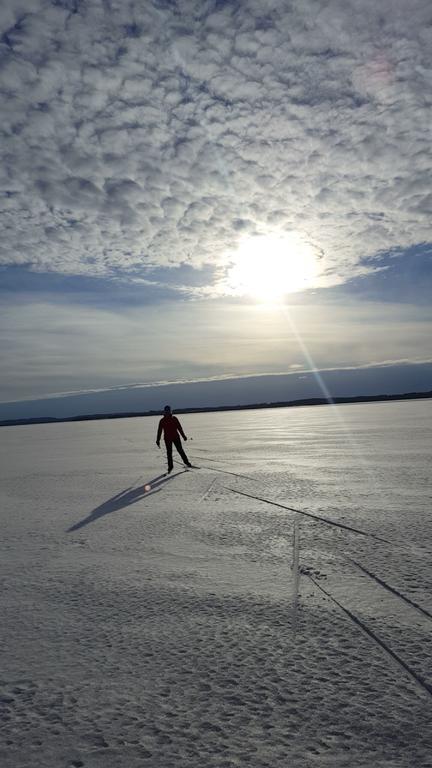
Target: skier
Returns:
[[170, 426]]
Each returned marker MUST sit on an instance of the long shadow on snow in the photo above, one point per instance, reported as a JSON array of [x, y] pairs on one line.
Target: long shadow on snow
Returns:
[[124, 499]]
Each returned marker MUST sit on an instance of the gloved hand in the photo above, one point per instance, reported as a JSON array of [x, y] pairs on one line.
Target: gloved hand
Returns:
[[185, 438], [157, 443]]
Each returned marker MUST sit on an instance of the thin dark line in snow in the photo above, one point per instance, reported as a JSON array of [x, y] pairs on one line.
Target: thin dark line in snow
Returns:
[[207, 458], [224, 471], [418, 679], [384, 584], [227, 461], [309, 514]]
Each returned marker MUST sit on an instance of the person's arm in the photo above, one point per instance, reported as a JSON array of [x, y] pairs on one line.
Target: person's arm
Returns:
[[159, 433], [179, 427]]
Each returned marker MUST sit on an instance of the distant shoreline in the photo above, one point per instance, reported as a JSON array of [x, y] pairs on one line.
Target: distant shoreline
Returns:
[[213, 409]]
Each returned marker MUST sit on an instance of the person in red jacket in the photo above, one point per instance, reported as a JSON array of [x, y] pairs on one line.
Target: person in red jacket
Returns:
[[170, 426]]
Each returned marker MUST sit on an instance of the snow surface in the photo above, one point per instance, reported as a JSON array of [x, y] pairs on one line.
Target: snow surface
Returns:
[[163, 628]]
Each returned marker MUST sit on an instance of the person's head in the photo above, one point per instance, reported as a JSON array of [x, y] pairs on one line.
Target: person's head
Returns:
[[167, 410]]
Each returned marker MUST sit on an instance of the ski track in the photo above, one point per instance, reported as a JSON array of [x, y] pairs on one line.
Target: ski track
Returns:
[[358, 622], [381, 583], [377, 579], [226, 472], [391, 589], [321, 519]]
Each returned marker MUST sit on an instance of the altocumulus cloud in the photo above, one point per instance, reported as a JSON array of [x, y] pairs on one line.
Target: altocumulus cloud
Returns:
[[143, 135]]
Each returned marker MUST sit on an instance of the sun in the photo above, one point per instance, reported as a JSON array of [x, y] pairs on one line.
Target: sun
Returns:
[[267, 267]]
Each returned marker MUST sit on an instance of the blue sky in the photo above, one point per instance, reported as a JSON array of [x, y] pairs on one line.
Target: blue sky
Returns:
[[147, 145]]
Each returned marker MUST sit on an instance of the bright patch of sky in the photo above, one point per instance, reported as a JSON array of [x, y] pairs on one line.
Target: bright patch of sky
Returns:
[[148, 147]]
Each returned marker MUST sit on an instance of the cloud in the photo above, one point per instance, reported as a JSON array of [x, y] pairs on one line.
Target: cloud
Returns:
[[347, 382], [71, 342], [143, 135]]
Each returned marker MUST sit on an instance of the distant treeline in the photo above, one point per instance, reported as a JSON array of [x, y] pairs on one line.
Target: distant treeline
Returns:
[[254, 406]]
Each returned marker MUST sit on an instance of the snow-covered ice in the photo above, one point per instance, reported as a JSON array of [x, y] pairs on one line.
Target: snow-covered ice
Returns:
[[163, 628]]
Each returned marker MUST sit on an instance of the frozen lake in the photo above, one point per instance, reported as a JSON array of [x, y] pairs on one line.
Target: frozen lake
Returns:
[[164, 628]]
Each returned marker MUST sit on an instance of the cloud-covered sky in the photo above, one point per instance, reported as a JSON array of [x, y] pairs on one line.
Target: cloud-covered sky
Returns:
[[143, 142], [158, 133]]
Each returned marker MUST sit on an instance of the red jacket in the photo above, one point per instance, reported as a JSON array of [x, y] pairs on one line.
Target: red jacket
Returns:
[[170, 426]]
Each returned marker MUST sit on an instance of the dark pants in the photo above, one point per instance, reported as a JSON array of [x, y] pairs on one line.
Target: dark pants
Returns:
[[169, 444]]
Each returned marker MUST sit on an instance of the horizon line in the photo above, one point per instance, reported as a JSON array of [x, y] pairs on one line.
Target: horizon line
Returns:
[[313, 401]]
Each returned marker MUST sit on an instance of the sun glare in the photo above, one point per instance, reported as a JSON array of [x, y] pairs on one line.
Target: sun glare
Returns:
[[268, 267]]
